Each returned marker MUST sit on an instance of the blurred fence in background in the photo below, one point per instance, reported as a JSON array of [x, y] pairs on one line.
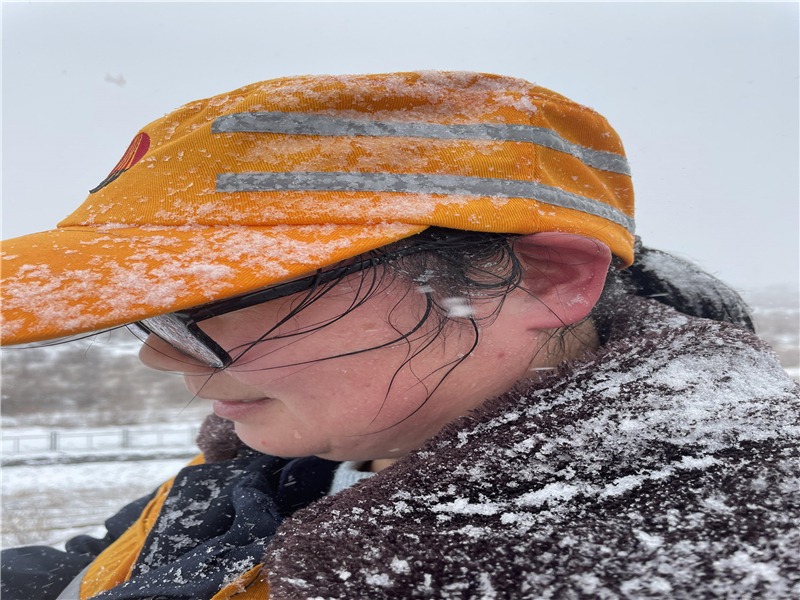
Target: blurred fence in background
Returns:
[[125, 438], [38, 446]]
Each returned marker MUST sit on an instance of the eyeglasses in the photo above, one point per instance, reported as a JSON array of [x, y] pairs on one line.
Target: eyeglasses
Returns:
[[179, 329]]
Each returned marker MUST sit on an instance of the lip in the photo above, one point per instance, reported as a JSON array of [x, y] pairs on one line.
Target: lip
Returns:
[[237, 410], [232, 400]]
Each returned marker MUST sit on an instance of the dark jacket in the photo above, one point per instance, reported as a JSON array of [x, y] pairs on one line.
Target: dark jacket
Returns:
[[666, 465]]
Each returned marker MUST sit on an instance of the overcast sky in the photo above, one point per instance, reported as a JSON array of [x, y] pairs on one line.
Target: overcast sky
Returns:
[[704, 95]]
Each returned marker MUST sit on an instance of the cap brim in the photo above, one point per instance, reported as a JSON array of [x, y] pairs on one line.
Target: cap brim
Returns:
[[81, 279]]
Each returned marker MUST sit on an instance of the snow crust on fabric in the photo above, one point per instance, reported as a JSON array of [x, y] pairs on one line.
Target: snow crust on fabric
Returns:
[[665, 466]]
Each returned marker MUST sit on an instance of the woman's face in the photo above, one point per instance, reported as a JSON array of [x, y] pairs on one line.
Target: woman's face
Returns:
[[286, 399]]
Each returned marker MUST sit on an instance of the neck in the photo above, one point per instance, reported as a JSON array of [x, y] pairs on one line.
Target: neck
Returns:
[[569, 344], [380, 464]]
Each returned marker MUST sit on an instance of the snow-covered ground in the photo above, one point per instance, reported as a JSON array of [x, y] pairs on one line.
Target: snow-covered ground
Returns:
[[50, 445], [61, 482], [51, 503]]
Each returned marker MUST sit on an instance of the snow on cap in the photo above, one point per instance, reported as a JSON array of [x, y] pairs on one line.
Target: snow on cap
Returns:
[[278, 178]]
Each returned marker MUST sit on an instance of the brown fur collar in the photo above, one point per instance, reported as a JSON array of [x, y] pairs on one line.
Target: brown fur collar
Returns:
[[218, 440]]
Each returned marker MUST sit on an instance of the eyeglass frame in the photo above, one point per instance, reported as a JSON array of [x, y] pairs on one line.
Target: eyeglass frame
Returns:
[[189, 318]]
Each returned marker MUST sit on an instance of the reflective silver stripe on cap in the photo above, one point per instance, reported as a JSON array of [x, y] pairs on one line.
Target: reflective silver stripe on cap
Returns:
[[418, 184], [308, 124]]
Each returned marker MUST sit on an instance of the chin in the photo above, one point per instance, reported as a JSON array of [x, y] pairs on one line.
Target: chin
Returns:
[[275, 446]]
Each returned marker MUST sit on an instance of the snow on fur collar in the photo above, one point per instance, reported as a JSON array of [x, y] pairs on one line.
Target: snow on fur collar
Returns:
[[667, 465]]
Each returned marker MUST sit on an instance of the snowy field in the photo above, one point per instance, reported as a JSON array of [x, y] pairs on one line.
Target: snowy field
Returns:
[[51, 445], [49, 504], [61, 482]]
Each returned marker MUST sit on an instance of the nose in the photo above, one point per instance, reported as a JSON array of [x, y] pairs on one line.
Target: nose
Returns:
[[159, 355]]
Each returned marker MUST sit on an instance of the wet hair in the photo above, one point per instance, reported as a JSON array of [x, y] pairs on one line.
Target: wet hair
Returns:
[[454, 269], [450, 269], [685, 287], [465, 264]]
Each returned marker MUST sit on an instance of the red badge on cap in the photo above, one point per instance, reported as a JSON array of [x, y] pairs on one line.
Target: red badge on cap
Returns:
[[136, 150]]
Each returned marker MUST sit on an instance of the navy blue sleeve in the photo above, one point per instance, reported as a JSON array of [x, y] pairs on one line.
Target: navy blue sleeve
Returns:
[[42, 572]]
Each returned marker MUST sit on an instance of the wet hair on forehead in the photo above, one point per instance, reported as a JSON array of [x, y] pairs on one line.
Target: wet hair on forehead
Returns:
[[447, 273], [448, 270], [449, 267], [453, 269], [458, 267]]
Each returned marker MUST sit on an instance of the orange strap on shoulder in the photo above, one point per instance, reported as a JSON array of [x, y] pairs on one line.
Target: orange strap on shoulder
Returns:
[[248, 586], [113, 565]]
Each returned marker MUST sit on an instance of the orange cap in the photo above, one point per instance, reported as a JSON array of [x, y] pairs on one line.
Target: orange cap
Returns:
[[276, 179]]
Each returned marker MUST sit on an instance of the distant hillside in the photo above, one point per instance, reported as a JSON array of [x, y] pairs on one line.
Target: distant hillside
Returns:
[[776, 313], [95, 382]]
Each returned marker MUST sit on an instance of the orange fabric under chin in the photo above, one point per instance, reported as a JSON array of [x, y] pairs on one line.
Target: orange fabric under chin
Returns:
[[251, 585], [113, 566]]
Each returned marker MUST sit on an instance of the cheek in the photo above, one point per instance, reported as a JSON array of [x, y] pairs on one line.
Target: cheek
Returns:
[[352, 359], [316, 334], [311, 379]]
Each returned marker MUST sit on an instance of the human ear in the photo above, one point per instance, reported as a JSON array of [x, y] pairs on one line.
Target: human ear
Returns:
[[565, 273]]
